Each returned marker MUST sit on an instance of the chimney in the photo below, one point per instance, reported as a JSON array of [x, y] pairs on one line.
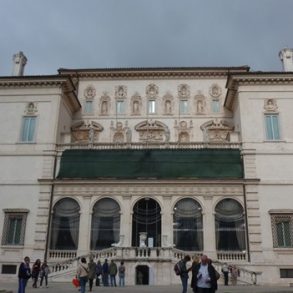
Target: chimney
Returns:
[[19, 61], [286, 56]]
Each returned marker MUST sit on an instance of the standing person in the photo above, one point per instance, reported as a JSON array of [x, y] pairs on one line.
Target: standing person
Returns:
[[82, 274], [92, 273], [99, 270], [234, 275], [225, 271], [44, 273], [105, 273], [35, 272], [184, 272], [121, 271], [24, 273], [113, 272], [204, 279]]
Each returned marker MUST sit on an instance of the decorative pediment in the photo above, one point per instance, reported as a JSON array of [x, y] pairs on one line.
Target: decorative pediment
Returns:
[[152, 91], [85, 132], [183, 131], [217, 130], [215, 90], [183, 91], [120, 92], [270, 105], [89, 92], [120, 133], [151, 131], [31, 109]]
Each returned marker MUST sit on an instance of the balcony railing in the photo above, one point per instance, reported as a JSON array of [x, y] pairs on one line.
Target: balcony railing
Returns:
[[230, 256]]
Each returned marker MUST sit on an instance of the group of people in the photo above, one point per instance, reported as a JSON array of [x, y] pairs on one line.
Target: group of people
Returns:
[[204, 276], [38, 271], [105, 273]]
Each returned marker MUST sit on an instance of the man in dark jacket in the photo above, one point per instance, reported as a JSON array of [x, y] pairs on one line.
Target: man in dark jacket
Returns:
[[204, 279], [184, 272], [24, 273]]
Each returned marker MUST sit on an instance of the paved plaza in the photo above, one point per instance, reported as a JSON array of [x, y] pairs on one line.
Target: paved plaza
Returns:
[[67, 287]]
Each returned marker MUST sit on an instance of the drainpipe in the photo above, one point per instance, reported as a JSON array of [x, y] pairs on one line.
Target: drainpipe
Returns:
[[50, 209]]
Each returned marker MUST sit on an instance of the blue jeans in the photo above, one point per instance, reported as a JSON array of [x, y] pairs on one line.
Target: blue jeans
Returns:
[[184, 281], [121, 280], [113, 280], [82, 281], [21, 285], [105, 279]]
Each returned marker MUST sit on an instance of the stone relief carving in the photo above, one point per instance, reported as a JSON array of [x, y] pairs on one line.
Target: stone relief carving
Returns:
[[217, 130], [270, 105], [215, 91], [104, 104], [151, 131], [120, 92], [200, 104], [136, 104], [183, 91], [85, 132], [183, 131], [89, 92], [31, 109], [121, 133], [168, 104], [152, 91]]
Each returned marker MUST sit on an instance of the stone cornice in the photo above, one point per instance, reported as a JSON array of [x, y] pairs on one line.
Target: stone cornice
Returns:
[[153, 73], [254, 78]]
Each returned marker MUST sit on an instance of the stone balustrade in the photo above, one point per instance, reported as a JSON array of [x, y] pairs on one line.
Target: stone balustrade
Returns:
[[232, 256], [61, 254]]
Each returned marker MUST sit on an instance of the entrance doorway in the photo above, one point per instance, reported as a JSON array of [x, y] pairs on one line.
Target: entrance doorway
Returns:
[[146, 220], [142, 275]]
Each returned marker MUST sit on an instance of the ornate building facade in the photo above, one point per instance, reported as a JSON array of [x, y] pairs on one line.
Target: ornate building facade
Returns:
[[147, 165]]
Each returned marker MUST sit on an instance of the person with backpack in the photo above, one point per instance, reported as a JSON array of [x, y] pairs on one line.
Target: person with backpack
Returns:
[[121, 271], [182, 271], [82, 274]]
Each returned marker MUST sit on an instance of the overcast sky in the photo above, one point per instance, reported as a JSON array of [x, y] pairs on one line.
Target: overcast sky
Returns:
[[144, 33]]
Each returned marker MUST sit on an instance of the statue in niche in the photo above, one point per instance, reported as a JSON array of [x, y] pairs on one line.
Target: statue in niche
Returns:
[[128, 134], [168, 107], [200, 106], [270, 105], [104, 108], [135, 107], [183, 137]]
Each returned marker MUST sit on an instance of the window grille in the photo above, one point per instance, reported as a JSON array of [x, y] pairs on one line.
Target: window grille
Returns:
[[14, 228], [282, 229]]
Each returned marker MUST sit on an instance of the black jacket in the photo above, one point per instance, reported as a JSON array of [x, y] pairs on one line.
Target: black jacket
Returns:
[[212, 273]]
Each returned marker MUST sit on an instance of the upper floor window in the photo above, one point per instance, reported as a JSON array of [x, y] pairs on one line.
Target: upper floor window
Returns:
[[151, 106], [88, 107], [28, 128], [14, 228], [120, 107], [272, 126], [183, 106], [216, 105], [282, 227]]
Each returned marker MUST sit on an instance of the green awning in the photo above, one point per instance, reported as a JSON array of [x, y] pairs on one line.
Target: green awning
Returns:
[[151, 163]]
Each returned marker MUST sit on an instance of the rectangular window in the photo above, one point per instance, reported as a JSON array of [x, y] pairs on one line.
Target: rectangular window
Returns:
[[120, 107], [272, 127], [216, 106], [183, 104], [286, 273], [88, 107], [9, 269], [28, 128], [152, 106], [14, 228], [282, 227]]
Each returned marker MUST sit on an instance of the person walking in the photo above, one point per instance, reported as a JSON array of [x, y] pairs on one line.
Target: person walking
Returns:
[[234, 275], [105, 273], [225, 271], [24, 273], [113, 272], [204, 278], [35, 272], [44, 273], [99, 270], [121, 272], [82, 274], [184, 272], [92, 273]]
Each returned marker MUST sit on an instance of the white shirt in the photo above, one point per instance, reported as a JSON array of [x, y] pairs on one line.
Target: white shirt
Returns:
[[203, 277]]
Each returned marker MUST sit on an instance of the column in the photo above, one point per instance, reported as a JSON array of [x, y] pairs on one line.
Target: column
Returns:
[[126, 222], [167, 222]]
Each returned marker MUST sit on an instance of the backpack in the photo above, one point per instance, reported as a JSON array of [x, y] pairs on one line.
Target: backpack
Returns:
[[177, 269]]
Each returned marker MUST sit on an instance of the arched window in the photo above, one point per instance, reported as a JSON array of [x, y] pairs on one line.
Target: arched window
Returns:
[[65, 225], [230, 226], [187, 221], [105, 224]]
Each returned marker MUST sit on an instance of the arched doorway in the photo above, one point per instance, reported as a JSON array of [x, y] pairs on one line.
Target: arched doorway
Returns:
[[187, 225], [65, 225], [142, 273], [105, 228], [146, 219], [230, 226]]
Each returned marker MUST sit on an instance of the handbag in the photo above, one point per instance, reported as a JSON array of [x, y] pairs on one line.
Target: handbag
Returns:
[[75, 282]]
